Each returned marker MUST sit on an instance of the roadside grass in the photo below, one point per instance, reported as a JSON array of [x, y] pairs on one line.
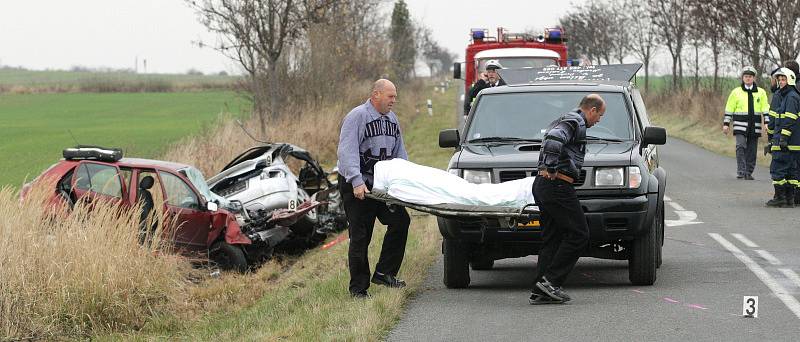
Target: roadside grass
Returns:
[[36, 127], [80, 274], [87, 277], [311, 301], [21, 81], [697, 118]]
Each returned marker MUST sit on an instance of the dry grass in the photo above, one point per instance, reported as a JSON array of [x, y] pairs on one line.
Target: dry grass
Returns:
[[80, 274], [85, 273], [696, 117], [313, 127]]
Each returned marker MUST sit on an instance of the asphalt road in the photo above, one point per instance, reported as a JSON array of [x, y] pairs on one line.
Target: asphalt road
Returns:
[[698, 295]]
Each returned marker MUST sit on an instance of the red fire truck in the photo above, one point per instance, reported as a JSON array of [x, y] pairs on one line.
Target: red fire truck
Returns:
[[512, 51]]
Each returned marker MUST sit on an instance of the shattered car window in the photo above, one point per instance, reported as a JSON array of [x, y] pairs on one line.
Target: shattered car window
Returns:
[[196, 177]]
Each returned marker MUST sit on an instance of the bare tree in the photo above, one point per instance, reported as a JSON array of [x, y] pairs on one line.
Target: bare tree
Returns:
[[742, 31], [781, 27], [319, 65], [709, 20], [589, 36], [580, 35], [671, 17], [256, 33], [620, 34], [643, 43]]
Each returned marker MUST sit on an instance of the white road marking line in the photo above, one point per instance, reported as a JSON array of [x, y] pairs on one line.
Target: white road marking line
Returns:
[[676, 206], [768, 257], [745, 240], [791, 275], [774, 286], [685, 217]]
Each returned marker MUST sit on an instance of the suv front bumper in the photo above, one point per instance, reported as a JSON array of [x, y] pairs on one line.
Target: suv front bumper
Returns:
[[609, 219]]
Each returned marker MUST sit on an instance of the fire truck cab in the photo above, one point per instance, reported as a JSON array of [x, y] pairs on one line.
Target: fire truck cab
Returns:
[[512, 51]]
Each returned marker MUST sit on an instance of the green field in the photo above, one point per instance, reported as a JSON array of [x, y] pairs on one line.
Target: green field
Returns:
[[62, 79], [36, 127]]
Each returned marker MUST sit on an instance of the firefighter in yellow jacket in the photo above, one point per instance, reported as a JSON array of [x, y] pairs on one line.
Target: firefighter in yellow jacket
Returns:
[[746, 110]]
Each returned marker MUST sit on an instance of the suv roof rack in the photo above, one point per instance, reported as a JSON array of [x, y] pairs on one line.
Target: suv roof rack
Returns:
[[611, 72]]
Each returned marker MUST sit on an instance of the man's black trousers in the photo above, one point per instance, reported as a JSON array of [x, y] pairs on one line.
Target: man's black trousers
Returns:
[[361, 216], [566, 234], [746, 151]]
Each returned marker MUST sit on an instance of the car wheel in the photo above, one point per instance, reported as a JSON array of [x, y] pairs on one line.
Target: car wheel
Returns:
[[642, 259], [660, 234], [228, 257], [481, 263], [456, 264]]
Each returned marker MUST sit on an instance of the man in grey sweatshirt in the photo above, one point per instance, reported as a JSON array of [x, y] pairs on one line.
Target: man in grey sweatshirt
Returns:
[[371, 133]]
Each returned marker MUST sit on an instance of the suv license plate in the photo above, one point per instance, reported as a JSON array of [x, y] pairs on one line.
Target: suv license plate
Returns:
[[531, 224]]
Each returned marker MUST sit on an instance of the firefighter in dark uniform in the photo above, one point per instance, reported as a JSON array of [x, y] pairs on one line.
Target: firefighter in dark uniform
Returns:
[[489, 79], [745, 109], [566, 233], [784, 139]]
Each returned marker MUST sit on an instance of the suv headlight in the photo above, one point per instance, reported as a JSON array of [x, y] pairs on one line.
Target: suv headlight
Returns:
[[609, 176], [634, 177], [615, 176], [478, 177]]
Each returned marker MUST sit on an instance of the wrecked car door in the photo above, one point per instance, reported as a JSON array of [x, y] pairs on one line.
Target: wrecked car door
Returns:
[[184, 210]]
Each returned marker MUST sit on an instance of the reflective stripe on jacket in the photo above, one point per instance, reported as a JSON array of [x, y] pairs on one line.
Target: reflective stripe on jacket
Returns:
[[746, 116], [784, 124]]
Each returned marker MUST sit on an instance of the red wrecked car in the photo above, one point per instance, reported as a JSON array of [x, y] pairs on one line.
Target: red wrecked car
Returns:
[[199, 221]]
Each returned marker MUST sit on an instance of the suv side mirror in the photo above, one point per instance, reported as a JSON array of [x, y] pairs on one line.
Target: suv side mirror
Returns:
[[457, 70], [448, 138], [654, 136], [212, 206]]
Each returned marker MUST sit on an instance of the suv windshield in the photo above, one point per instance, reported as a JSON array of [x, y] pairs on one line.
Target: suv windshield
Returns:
[[518, 116]]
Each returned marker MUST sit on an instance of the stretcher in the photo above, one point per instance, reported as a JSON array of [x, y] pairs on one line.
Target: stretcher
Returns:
[[489, 216]]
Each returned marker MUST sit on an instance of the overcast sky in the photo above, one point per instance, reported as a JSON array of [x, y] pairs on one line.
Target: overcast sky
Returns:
[[57, 34]]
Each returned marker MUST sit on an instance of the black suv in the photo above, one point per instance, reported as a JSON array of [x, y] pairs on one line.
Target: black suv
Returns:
[[621, 186]]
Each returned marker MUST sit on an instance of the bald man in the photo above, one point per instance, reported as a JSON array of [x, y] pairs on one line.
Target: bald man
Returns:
[[566, 233], [371, 133]]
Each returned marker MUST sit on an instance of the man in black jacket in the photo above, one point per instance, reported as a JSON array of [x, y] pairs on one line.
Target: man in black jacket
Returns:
[[566, 233], [489, 79]]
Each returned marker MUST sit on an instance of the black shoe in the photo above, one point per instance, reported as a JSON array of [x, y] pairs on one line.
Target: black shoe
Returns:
[[748, 177], [540, 299], [554, 292], [360, 295], [387, 280], [779, 199], [740, 177]]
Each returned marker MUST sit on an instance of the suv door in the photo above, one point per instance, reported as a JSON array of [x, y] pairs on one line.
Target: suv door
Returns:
[[184, 208], [97, 182]]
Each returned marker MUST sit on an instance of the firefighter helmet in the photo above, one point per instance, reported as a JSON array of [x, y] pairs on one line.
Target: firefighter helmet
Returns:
[[748, 70], [790, 76]]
